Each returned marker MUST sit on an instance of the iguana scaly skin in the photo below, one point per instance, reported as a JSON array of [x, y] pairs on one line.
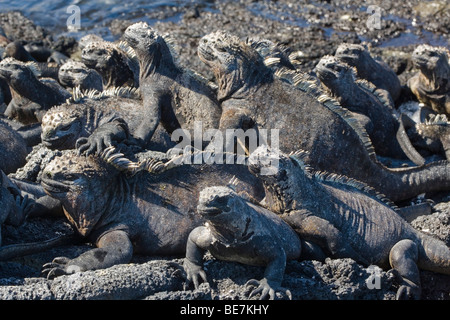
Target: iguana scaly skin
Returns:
[[15, 208], [431, 85], [99, 120], [13, 149], [436, 128], [237, 230], [74, 74], [377, 113], [374, 71], [31, 97], [113, 63], [145, 213], [171, 95], [347, 219], [251, 97]]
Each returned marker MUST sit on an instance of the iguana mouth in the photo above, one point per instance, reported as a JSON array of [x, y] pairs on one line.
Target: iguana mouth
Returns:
[[209, 211], [55, 141], [206, 54], [54, 187], [347, 57], [90, 63], [421, 61], [325, 72]]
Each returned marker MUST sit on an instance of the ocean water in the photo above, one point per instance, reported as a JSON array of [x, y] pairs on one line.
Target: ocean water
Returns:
[[95, 16]]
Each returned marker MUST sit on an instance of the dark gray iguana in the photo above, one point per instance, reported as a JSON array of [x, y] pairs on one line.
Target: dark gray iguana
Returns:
[[431, 85], [436, 129], [113, 62], [31, 96], [15, 208], [374, 71], [237, 230], [122, 214], [389, 138], [74, 74], [172, 96], [308, 119], [347, 219], [13, 149], [81, 123]]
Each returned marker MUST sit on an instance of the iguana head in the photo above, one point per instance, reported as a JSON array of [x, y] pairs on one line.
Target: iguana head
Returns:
[[436, 127], [234, 63], [335, 74], [432, 62], [353, 54], [224, 209], [61, 127], [149, 46], [82, 185], [281, 182], [75, 73], [17, 73]]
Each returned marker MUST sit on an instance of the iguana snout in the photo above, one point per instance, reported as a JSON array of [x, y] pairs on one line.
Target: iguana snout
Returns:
[[349, 52], [330, 68], [11, 68], [94, 56], [214, 200], [59, 131], [428, 58], [141, 35]]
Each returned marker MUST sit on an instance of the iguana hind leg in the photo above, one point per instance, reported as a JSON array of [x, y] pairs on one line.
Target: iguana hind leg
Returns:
[[403, 259]]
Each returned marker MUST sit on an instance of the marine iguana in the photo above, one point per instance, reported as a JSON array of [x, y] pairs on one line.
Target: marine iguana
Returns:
[[113, 63], [122, 214], [82, 122], [252, 97], [172, 96], [74, 74], [31, 96], [237, 230], [13, 149], [388, 136], [374, 71], [437, 129], [431, 85], [47, 69], [348, 219], [15, 208]]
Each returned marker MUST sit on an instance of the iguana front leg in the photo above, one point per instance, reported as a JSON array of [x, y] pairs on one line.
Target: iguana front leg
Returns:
[[323, 233], [273, 276], [151, 117], [113, 248], [103, 137], [198, 241]]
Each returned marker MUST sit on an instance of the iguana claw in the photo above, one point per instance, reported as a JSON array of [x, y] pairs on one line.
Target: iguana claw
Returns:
[[267, 289]]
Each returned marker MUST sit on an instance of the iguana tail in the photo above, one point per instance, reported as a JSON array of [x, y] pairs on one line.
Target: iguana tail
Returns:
[[404, 183], [434, 255], [22, 249]]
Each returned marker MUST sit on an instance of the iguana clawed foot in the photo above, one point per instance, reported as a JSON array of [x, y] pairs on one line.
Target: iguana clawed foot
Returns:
[[103, 137], [267, 288], [58, 267], [194, 273]]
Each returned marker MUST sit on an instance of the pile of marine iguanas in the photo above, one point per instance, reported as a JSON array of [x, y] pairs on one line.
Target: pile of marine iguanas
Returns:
[[94, 138]]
